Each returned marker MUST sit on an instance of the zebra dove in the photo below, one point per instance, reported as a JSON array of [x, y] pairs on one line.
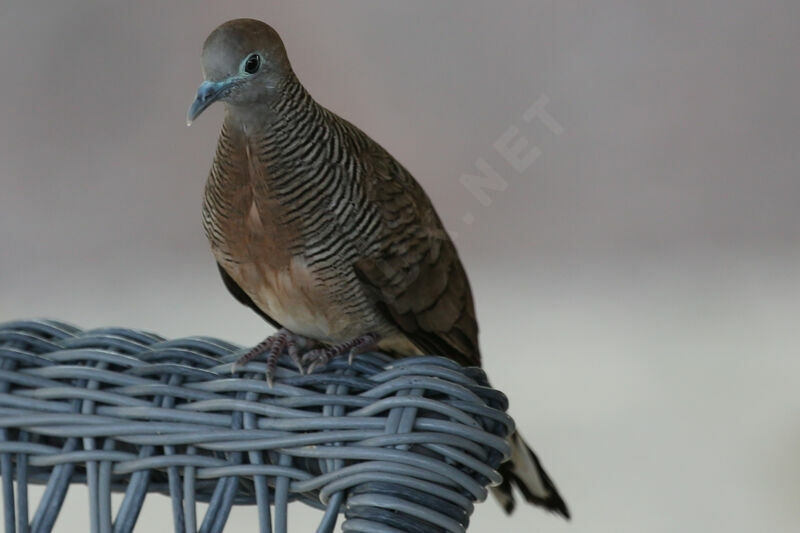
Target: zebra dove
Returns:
[[325, 235]]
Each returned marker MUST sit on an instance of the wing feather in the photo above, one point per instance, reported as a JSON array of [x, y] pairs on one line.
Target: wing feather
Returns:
[[416, 275]]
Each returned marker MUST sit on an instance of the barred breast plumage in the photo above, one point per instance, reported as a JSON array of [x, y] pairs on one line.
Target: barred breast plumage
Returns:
[[324, 234], [288, 217]]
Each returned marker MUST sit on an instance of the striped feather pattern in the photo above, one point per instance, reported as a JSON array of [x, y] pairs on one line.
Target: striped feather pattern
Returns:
[[321, 231], [305, 159]]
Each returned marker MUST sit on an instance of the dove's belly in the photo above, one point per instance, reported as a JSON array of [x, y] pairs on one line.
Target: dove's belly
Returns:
[[294, 297]]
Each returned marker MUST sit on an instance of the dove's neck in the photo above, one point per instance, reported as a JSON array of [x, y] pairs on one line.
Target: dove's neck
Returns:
[[291, 149], [282, 113]]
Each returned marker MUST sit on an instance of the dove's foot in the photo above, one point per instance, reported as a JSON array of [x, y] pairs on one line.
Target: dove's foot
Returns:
[[353, 347], [273, 347]]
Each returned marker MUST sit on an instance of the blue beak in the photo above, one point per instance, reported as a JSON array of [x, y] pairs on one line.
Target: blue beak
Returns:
[[208, 93]]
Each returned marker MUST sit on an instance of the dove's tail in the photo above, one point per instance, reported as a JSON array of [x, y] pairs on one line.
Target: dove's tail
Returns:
[[525, 472]]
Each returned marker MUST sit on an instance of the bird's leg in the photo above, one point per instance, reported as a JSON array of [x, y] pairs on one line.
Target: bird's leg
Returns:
[[294, 354], [273, 346], [321, 356], [255, 351]]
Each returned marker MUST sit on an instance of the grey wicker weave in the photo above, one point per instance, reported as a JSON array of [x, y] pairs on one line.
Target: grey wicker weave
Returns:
[[397, 445]]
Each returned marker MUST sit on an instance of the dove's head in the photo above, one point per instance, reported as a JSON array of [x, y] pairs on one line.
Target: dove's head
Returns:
[[244, 62]]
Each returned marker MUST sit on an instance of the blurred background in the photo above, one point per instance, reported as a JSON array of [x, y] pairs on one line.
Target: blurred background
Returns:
[[637, 274]]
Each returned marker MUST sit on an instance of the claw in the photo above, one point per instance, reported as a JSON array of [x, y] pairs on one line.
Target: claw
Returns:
[[274, 345], [353, 347], [294, 354], [318, 357], [254, 352], [275, 353]]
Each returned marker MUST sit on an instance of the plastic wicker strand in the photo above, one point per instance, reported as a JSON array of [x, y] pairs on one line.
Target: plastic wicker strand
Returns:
[[395, 445]]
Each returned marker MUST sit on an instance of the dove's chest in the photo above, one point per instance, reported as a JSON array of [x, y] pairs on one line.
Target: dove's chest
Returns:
[[263, 240]]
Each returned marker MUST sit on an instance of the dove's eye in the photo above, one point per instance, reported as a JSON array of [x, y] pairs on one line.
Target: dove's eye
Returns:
[[252, 64]]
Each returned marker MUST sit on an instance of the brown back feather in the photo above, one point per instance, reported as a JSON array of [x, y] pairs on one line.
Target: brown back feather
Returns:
[[416, 275]]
